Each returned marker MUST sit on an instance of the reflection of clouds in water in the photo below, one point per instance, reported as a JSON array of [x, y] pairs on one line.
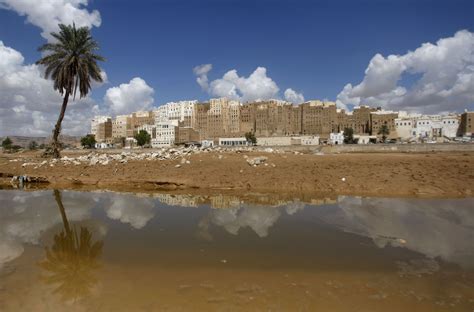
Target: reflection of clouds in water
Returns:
[[136, 211], [259, 218], [24, 216], [435, 228], [294, 207]]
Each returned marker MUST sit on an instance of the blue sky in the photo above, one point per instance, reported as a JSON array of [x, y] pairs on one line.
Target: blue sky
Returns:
[[313, 47]]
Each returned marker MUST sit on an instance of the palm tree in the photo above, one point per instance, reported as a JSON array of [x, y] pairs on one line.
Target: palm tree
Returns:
[[71, 261], [71, 62]]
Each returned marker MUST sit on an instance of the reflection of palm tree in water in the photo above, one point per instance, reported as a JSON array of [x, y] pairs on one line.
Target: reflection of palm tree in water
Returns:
[[71, 260]]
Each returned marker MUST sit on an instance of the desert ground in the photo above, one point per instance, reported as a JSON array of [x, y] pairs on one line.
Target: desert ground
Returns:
[[437, 174]]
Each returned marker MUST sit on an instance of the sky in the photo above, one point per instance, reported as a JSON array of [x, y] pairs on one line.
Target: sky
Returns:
[[414, 55]]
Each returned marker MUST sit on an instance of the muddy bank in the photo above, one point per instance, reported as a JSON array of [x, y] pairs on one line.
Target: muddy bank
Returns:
[[445, 174]]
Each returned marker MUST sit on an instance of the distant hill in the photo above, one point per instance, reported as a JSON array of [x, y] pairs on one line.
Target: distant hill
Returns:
[[24, 141]]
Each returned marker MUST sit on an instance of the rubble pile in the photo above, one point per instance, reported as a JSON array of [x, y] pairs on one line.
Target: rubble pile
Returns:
[[95, 158]]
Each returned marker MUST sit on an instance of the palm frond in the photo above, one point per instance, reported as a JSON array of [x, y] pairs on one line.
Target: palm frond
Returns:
[[72, 60]]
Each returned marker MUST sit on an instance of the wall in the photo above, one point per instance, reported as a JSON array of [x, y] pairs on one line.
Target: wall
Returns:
[[400, 148]]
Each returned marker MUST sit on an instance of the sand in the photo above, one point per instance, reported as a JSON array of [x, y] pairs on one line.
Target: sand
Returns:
[[442, 174]]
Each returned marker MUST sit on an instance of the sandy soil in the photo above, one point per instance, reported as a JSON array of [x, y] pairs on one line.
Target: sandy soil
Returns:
[[375, 174]]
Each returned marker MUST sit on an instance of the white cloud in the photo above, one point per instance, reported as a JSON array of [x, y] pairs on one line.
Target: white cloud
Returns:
[[446, 82], [47, 14], [293, 96], [129, 97], [257, 86], [201, 73], [28, 103]]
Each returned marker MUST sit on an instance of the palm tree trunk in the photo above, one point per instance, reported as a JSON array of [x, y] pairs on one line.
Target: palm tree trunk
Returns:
[[57, 128], [59, 201]]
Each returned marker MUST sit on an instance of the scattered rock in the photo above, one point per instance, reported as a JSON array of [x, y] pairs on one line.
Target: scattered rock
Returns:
[[255, 161]]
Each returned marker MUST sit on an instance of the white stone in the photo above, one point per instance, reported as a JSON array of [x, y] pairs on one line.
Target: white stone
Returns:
[[255, 161]]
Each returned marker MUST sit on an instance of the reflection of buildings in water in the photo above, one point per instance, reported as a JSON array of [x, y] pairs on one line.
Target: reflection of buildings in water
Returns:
[[70, 263], [259, 217], [136, 211], [178, 200], [224, 201], [435, 228], [322, 201], [25, 216]]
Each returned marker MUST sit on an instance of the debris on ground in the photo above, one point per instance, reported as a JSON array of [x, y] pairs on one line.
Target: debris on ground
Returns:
[[255, 161]]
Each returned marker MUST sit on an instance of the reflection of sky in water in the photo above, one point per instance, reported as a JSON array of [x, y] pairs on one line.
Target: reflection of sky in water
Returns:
[[128, 209], [435, 228]]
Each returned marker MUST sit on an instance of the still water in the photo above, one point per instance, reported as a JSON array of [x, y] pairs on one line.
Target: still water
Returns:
[[103, 251]]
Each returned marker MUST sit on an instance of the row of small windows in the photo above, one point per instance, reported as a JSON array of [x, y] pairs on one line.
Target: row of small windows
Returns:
[[423, 123]]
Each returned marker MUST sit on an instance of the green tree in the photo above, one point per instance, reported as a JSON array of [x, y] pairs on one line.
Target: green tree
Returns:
[[88, 141], [143, 137], [33, 145], [7, 143], [71, 62], [384, 131], [348, 136], [16, 148], [250, 137]]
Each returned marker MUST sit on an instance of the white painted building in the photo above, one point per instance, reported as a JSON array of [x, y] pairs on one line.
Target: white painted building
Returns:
[[450, 125], [175, 111], [96, 121], [207, 143], [365, 139], [336, 138], [274, 141], [404, 125], [233, 142], [102, 145], [426, 127], [165, 134], [309, 140]]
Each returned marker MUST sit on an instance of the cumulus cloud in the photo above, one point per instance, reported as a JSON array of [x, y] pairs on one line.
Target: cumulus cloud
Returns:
[[129, 97], [293, 96], [257, 86], [47, 14], [28, 103], [201, 73], [445, 83]]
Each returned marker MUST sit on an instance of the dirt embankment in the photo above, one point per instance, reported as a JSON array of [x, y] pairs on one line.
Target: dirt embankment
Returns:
[[420, 175]]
